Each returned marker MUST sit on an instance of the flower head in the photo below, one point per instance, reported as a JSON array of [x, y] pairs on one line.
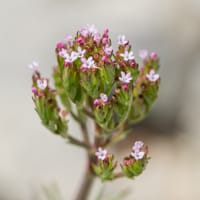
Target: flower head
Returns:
[[42, 83], [104, 97], [101, 153], [34, 66], [121, 40], [125, 77], [127, 55], [152, 76]]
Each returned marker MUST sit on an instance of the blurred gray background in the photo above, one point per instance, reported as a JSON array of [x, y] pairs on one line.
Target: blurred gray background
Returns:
[[31, 157]]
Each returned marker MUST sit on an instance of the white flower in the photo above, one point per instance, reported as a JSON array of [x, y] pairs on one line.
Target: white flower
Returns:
[[42, 83], [152, 76], [125, 78], [34, 65], [63, 53], [80, 52], [101, 153], [68, 39], [88, 29], [121, 40], [92, 29], [143, 53], [88, 63], [108, 49], [127, 55], [138, 155], [104, 97], [137, 146], [71, 58]]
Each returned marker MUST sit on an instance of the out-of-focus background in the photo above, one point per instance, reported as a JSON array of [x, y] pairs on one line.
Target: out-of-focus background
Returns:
[[31, 158]]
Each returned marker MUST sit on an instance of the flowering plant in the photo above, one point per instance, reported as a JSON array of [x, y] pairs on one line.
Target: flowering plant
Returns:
[[94, 81]]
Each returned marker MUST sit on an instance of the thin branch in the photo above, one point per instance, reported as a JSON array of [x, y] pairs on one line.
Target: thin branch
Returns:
[[79, 143]]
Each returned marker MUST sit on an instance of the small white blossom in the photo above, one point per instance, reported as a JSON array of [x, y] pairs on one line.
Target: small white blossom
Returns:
[[121, 40], [42, 83], [125, 77], [63, 53], [137, 146], [143, 53], [104, 97], [88, 63], [71, 58], [138, 155], [92, 29], [101, 153], [127, 55], [88, 29], [152, 76], [34, 66], [108, 49], [68, 39], [80, 52]]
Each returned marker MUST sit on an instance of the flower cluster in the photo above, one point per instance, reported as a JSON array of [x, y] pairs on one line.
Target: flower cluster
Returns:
[[131, 167], [105, 165], [136, 162]]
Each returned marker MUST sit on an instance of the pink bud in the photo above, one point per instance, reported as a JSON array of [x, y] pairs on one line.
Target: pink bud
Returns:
[[96, 102], [60, 45], [105, 40], [133, 63], [104, 58], [80, 40], [153, 55], [34, 90], [125, 87], [105, 32]]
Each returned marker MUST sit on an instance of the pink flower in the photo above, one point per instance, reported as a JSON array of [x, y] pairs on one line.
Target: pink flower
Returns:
[[101, 153], [125, 77], [127, 55], [42, 83], [152, 76], [121, 40]]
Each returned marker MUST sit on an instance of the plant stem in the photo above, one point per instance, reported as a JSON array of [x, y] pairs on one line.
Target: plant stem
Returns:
[[86, 184]]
